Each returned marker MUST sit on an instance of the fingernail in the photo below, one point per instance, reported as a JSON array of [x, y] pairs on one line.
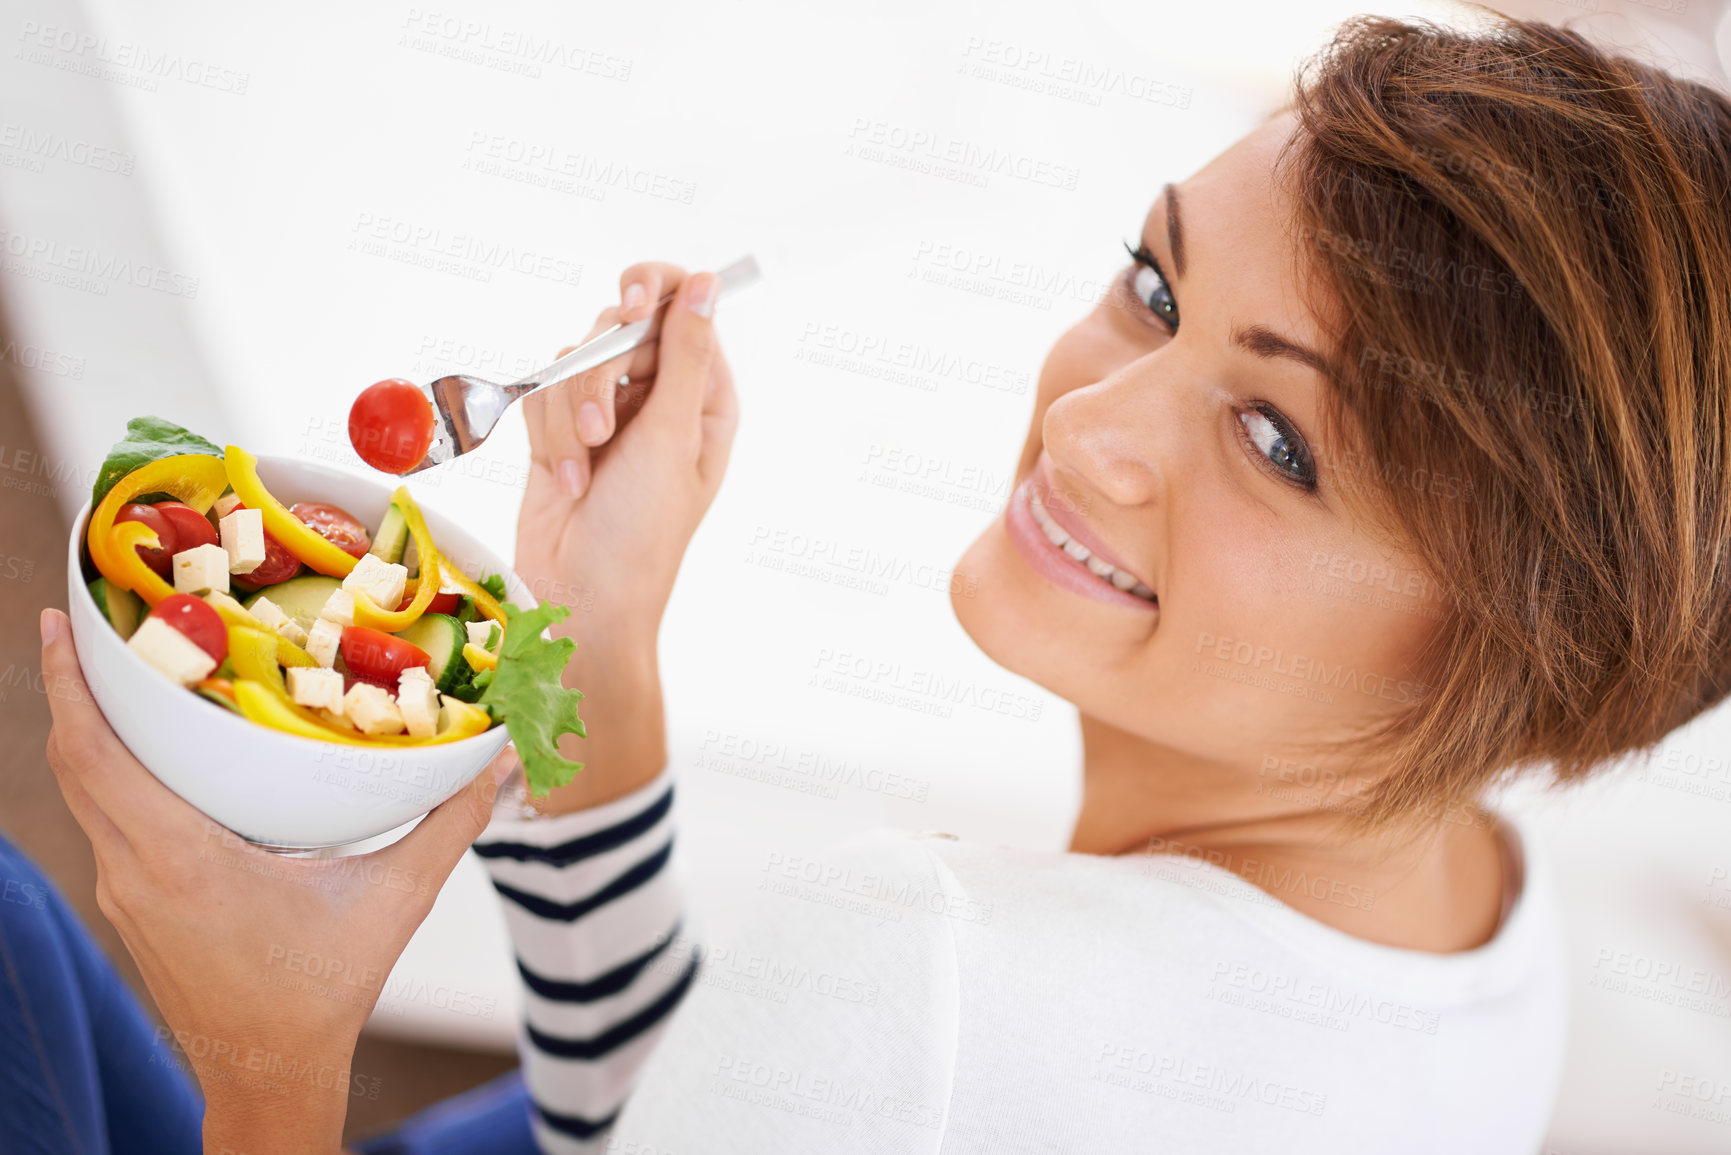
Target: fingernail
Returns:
[[590, 424], [503, 770], [50, 623], [571, 477], [700, 293], [633, 296]]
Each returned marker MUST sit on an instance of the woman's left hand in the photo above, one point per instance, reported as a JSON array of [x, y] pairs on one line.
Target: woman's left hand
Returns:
[[264, 967]]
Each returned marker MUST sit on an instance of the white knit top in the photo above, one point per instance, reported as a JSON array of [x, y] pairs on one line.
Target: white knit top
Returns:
[[920, 994]]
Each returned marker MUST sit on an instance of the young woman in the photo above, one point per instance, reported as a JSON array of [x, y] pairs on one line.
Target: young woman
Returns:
[[1392, 465]]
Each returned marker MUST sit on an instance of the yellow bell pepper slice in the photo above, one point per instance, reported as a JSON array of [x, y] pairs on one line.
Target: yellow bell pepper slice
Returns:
[[388, 618], [295, 535], [462, 721], [126, 569], [252, 652], [197, 479], [268, 707], [485, 604], [233, 613], [478, 658], [262, 696]]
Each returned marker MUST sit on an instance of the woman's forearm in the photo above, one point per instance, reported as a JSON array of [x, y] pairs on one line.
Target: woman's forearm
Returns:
[[263, 1100], [595, 910], [623, 712]]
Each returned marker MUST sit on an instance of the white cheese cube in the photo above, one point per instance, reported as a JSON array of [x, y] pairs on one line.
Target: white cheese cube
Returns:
[[170, 651], [268, 612], [479, 632], [323, 640], [340, 608], [225, 505], [418, 702], [380, 580], [372, 709], [316, 688], [271, 616], [203, 567], [243, 538]]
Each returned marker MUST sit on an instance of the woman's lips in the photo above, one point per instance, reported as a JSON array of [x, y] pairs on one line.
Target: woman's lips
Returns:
[[1070, 524], [1054, 564]]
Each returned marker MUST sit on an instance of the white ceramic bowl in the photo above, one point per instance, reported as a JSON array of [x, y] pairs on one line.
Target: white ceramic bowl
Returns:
[[279, 789]]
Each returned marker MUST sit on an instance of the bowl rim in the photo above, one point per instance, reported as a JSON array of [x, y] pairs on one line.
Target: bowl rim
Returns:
[[75, 571]]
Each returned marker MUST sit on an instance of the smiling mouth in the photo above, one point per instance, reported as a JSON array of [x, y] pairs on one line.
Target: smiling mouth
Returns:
[[1120, 579]]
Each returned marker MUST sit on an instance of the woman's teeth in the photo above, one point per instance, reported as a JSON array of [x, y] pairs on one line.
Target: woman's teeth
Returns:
[[1128, 582]]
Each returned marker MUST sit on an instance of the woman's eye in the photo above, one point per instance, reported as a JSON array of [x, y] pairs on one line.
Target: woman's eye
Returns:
[[1148, 282], [1281, 446]]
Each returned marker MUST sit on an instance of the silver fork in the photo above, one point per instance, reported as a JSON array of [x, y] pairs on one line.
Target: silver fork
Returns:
[[468, 408]]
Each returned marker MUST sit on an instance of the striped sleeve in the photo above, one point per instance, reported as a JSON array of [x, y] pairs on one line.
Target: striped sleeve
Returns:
[[595, 915]]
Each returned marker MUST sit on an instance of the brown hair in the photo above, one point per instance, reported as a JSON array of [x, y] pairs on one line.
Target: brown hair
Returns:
[[1525, 244]]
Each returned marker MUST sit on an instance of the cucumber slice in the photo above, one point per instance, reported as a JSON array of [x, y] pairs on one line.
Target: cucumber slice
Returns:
[[219, 699], [442, 636], [301, 598], [123, 608], [392, 535]]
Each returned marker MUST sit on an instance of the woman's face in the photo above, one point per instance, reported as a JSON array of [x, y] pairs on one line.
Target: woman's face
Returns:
[[1173, 437]]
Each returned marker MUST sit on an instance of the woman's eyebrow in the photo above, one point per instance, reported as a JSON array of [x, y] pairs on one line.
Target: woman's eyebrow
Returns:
[[1265, 342], [1259, 340], [1174, 229]]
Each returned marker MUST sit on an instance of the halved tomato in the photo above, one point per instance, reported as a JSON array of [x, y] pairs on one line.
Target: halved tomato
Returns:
[[336, 525], [197, 620], [377, 657], [191, 528], [160, 558]]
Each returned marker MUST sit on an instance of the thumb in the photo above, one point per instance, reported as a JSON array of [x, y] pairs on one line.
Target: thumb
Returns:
[[439, 840], [687, 348]]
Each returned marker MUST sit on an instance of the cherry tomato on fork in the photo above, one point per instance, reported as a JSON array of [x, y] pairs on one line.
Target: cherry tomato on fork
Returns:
[[391, 425], [197, 621], [160, 558], [336, 525], [377, 657]]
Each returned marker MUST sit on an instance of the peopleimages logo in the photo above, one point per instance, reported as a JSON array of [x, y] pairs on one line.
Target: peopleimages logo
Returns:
[[796, 876], [1305, 668], [1341, 1003]]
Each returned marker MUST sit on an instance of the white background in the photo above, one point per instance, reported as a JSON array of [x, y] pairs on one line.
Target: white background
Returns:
[[301, 177]]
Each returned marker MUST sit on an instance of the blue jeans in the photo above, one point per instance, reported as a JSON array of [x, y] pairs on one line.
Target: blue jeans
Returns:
[[83, 1070]]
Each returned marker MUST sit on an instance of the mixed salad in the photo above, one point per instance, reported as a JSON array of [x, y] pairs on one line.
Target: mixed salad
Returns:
[[299, 618]]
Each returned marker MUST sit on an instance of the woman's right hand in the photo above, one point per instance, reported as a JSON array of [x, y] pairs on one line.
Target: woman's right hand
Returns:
[[611, 507]]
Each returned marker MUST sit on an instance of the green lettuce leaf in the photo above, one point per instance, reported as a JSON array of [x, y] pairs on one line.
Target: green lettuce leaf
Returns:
[[463, 687], [147, 439], [525, 693]]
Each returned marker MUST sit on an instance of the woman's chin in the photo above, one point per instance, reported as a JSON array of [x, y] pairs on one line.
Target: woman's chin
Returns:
[[993, 604]]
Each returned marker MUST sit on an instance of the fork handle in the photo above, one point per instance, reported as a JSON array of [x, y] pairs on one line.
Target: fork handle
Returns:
[[622, 338]]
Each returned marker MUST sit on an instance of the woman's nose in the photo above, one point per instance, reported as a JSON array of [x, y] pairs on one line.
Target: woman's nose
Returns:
[[1114, 437]]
